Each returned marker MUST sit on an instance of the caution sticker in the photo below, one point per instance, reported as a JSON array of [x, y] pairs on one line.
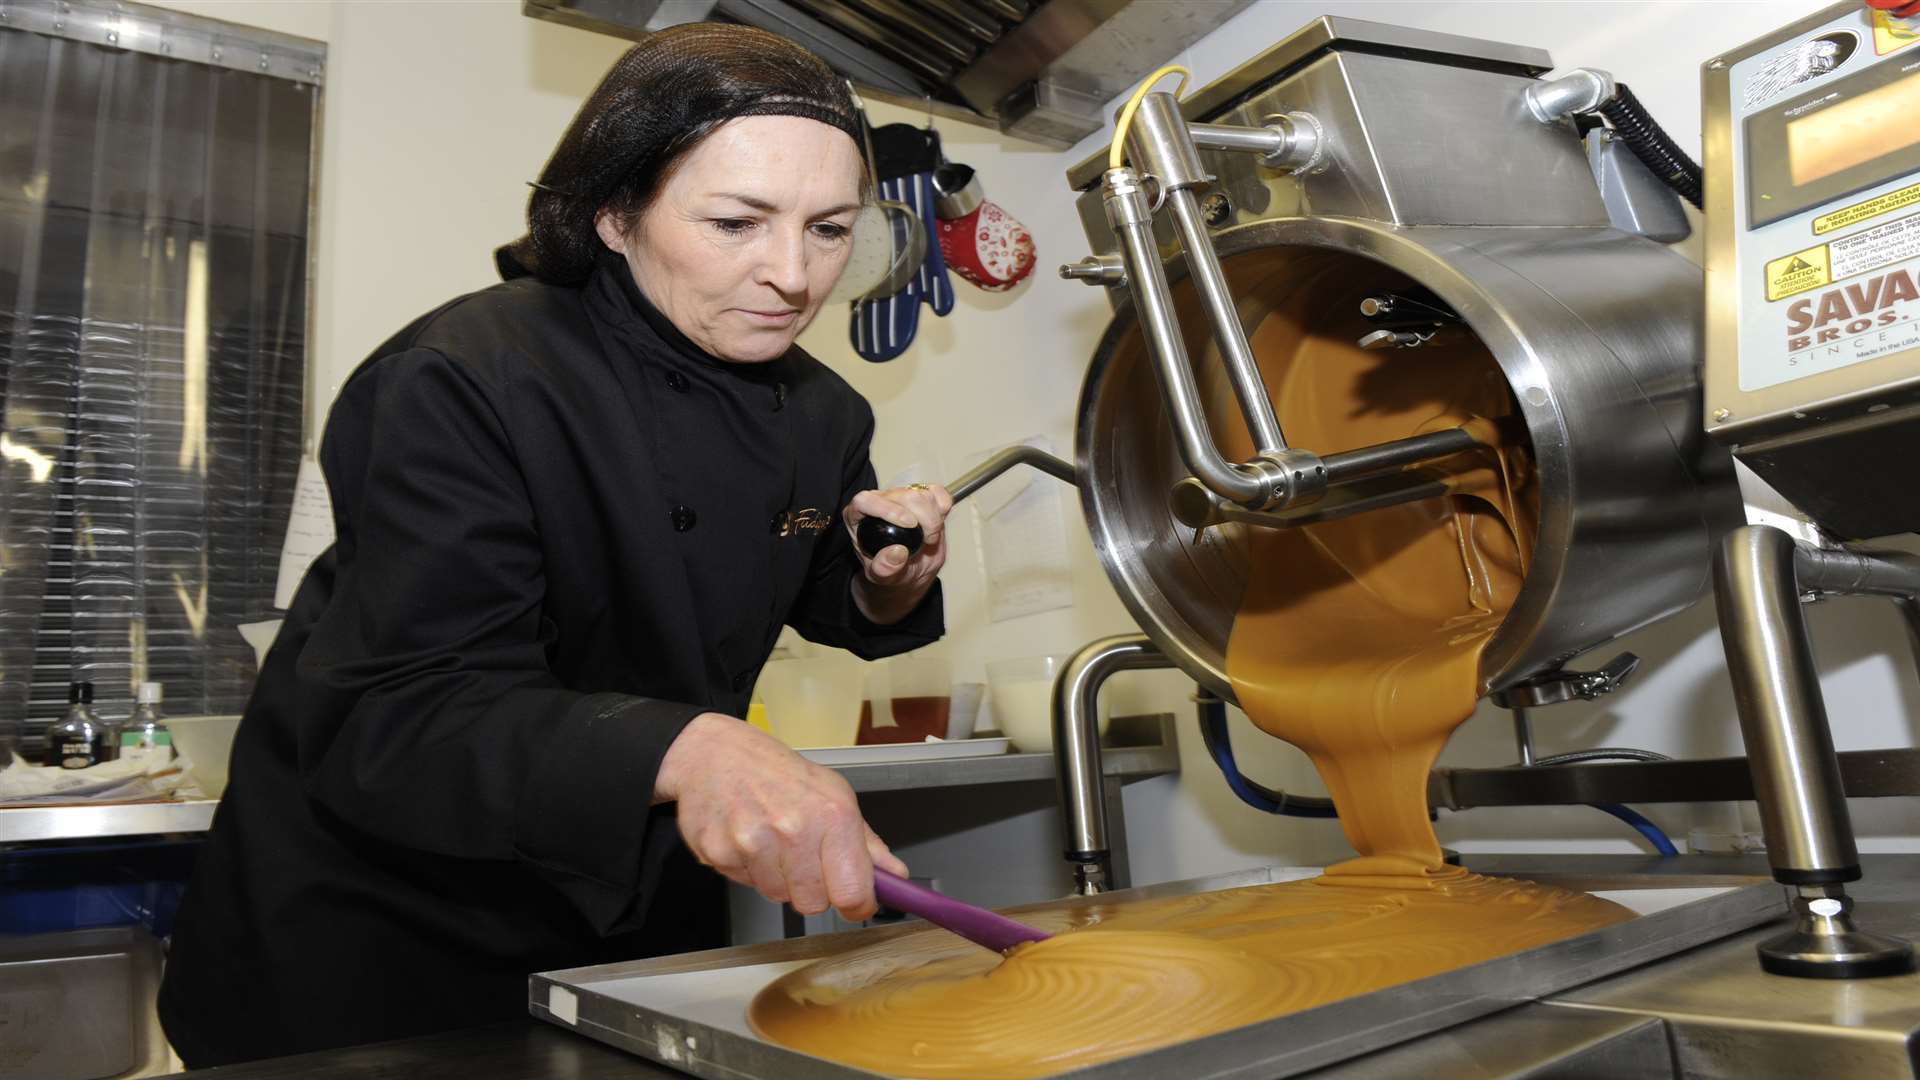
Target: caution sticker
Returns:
[[1891, 33], [1798, 272], [1872, 208]]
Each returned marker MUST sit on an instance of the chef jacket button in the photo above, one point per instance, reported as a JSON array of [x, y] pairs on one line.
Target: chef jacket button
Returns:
[[779, 396], [677, 381], [684, 518], [742, 682]]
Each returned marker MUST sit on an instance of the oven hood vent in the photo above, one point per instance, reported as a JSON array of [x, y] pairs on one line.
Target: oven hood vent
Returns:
[[1039, 70]]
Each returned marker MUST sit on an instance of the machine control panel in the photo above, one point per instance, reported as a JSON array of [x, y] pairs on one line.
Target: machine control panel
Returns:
[[1813, 263]]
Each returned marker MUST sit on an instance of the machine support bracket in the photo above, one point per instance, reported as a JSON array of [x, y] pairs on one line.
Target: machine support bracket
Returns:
[[1759, 576], [1076, 749]]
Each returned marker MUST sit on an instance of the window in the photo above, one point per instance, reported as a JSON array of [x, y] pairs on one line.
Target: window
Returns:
[[154, 224]]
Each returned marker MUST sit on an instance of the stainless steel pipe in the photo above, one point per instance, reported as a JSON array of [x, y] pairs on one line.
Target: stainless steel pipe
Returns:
[[1858, 573], [1523, 735], [1263, 141], [1132, 222], [1076, 749], [1243, 371], [1783, 715], [1910, 613], [1783, 720], [1400, 453], [1166, 150]]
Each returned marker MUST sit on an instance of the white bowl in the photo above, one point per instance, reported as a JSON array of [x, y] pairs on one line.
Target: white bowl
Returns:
[[1022, 695]]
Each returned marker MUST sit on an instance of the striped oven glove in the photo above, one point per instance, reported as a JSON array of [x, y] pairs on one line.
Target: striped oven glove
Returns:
[[882, 329]]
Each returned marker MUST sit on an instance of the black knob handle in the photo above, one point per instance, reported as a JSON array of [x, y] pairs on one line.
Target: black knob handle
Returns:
[[875, 534]]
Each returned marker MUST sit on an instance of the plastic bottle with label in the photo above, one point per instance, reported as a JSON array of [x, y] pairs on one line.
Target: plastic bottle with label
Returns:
[[80, 741], [145, 734]]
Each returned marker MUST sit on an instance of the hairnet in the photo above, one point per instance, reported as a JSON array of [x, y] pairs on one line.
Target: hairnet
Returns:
[[656, 103]]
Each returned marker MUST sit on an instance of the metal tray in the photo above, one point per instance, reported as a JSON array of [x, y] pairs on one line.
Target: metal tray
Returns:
[[689, 1011]]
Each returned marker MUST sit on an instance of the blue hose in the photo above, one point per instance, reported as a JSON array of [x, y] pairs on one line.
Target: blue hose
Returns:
[[1646, 828], [1213, 731]]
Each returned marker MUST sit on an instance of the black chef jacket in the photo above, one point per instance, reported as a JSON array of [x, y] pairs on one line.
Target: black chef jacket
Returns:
[[563, 532]]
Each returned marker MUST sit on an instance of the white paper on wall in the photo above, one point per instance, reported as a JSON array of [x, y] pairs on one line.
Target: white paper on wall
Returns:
[[309, 530], [1021, 521], [923, 471]]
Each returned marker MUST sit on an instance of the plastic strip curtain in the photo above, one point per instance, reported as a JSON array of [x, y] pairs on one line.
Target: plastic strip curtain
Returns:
[[153, 264]]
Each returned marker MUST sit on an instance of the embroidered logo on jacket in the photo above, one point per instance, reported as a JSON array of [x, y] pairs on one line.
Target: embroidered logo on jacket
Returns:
[[796, 522]]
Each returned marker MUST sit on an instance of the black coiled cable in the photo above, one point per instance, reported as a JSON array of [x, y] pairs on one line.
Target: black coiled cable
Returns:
[[1632, 123]]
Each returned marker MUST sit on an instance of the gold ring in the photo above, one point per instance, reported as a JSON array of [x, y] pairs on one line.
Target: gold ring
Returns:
[[916, 487]]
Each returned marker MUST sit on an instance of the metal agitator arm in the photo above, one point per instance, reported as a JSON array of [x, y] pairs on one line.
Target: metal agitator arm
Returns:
[[1169, 172]]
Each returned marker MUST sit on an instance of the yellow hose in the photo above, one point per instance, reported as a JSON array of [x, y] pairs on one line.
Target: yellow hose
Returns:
[[1116, 155]]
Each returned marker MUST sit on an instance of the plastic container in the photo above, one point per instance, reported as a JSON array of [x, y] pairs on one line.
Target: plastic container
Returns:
[[206, 742], [815, 701], [1022, 695], [909, 698], [963, 712]]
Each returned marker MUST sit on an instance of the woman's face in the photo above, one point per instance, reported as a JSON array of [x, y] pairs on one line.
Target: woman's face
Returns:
[[745, 239]]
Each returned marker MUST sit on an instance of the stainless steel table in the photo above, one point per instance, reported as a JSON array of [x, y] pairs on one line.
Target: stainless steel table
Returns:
[[1706, 1013], [1152, 752], [527, 1050], [81, 821]]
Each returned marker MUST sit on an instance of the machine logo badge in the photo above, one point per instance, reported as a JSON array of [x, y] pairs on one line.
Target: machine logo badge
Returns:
[[1892, 33], [1803, 63]]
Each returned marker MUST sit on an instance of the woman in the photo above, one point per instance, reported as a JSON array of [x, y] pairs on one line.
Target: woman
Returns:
[[497, 732]]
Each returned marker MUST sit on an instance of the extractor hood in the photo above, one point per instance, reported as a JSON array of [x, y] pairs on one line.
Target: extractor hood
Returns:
[[1037, 69]]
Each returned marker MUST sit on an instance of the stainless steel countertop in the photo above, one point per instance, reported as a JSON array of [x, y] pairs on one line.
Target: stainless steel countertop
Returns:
[[33, 824], [1709, 1009], [79, 821], [1127, 762]]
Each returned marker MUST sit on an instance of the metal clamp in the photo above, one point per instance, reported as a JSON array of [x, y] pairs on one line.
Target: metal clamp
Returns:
[[1559, 686]]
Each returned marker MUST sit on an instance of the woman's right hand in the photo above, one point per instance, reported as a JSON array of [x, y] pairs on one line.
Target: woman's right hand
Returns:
[[768, 818]]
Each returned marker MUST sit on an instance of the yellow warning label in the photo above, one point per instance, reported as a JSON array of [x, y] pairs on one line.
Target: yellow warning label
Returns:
[[1797, 273], [1890, 33], [1872, 208]]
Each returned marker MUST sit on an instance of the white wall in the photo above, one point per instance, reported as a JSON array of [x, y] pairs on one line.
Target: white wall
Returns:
[[438, 112]]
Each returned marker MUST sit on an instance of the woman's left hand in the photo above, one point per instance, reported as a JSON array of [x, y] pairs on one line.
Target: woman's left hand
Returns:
[[894, 582]]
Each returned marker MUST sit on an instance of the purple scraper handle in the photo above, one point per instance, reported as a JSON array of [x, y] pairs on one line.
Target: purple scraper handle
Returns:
[[976, 924]]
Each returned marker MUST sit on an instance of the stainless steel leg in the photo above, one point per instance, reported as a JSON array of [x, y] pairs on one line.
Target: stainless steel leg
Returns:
[[1120, 868], [1523, 735], [1076, 751], [1796, 777], [1910, 613]]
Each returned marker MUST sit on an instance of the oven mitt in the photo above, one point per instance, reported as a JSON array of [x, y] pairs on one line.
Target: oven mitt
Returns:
[[988, 247], [882, 329], [905, 157]]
